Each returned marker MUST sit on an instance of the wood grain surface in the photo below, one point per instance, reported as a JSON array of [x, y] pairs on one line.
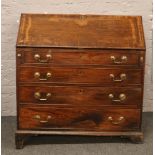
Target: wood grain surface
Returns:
[[81, 57], [81, 31], [80, 95], [80, 75], [78, 118]]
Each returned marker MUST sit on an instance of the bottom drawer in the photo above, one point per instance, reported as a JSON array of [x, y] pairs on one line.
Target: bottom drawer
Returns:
[[78, 118]]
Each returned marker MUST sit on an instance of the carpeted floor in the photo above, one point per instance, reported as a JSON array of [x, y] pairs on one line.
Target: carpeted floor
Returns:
[[61, 145]]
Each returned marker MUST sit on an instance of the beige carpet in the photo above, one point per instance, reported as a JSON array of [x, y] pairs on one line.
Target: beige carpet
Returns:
[[54, 145]]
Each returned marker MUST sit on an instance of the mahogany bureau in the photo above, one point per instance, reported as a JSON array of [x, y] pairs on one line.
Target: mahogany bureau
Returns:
[[80, 75]]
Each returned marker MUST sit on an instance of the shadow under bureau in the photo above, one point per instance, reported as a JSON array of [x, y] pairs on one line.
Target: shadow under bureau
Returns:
[[80, 75]]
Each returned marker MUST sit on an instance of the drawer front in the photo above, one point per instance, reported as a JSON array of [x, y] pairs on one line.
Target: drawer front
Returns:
[[76, 95], [80, 75], [81, 57], [49, 117]]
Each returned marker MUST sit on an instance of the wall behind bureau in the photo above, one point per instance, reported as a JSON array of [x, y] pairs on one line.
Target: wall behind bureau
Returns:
[[11, 10]]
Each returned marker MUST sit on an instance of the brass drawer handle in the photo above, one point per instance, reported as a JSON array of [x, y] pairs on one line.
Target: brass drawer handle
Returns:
[[122, 77], [37, 75], [42, 121], [38, 59], [38, 117], [123, 59], [37, 96], [122, 97], [120, 119]]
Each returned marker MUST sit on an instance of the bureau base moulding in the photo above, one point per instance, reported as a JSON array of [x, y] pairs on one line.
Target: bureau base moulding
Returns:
[[22, 135]]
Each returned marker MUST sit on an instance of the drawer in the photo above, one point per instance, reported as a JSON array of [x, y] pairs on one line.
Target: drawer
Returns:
[[80, 95], [81, 57], [80, 75], [78, 118]]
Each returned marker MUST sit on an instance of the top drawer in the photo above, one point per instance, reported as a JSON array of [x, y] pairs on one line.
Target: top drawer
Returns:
[[47, 56]]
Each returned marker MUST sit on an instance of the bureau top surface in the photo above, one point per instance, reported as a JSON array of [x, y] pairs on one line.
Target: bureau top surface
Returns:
[[81, 31]]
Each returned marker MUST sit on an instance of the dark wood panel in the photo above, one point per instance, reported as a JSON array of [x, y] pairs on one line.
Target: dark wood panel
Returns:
[[83, 118], [81, 31], [80, 75], [84, 96], [80, 57]]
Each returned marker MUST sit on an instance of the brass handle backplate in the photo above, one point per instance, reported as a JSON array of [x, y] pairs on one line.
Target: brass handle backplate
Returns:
[[37, 57], [115, 61], [47, 76], [122, 77], [122, 97], [38, 117], [37, 96], [116, 122]]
